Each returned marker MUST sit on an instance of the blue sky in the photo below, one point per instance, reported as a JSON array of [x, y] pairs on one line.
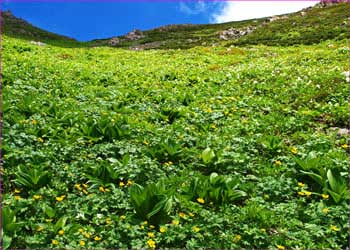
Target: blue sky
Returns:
[[86, 20]]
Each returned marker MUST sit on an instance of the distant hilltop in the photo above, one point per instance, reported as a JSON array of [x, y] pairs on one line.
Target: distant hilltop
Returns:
[[329, 19], [17, 27], [333, 1]]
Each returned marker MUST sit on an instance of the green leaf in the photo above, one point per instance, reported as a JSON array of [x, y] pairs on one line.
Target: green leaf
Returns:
[[60, 223], [332, 181], [208, 155], [213, 177], [6, 241], [157, 208], [49, 211], [318, 178]]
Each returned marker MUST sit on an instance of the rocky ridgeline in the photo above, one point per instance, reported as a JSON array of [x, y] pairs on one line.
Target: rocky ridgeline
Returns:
[[233, 33], [134, 35], [114, 41], [325, 3]]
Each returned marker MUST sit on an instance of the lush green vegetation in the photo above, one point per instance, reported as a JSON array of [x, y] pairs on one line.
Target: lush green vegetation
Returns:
[[208, 147]]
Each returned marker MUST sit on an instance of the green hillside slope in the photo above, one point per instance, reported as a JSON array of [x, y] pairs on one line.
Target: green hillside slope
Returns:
[[240, 148], [231, 146]]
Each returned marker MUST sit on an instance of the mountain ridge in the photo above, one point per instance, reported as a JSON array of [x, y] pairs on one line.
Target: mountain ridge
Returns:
[[326, 20]]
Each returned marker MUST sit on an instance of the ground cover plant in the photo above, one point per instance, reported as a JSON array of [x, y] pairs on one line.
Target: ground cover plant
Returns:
[[208, 147]]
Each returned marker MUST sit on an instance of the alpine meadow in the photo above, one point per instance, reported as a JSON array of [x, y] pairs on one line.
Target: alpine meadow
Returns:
[[220, 136]]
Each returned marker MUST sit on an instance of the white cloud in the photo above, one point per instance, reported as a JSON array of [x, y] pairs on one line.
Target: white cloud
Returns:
[[193, 8], [236, 11]]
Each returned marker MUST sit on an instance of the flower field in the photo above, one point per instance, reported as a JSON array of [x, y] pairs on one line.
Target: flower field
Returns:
[[210, 147]]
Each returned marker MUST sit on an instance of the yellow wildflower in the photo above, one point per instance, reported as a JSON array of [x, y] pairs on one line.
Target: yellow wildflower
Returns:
[[300, 184], [146, 142], [130, 182], [175, 222], [151, 243], [39, 229], [96, 238], [145, 222], [195, 229], [151, 226], [82, 243], [237, 238], [85, 192], [182, 215], [325, 196], [191, 214], [281, 247], [344, 146], [162, 229], [85, 186], [61, 232], [40, 140], [108, 221], [60, 198], [87, 235], [102, 189], [325, 210], [34, 122], [301, 193], [263, 230], [151, 235], [17, 191], [278, 163], [201, 200], [122, 217], [80, 230], [294, 150], [55, 242], [17, 197], [37, 197], [121, 184], [307, 193], [77, 186], [334, 228]]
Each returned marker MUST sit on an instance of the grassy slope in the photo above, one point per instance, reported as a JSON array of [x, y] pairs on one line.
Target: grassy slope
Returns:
[[233, 101]]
